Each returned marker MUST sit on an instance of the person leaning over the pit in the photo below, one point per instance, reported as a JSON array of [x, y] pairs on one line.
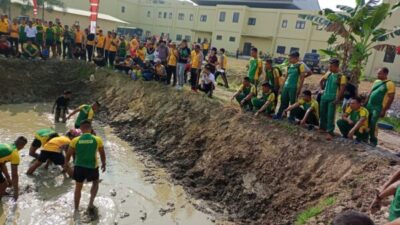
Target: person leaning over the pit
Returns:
[[305, 110], [245, 93], [53, 151], [335, 84], [10, 153], [86, 112], [354, 121], [207, 81], [60, 107], [85, 149], [265, 104], [42, 136], [379, 101]]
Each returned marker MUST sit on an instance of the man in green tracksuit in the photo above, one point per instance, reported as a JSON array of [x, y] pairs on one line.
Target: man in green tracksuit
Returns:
[[379, 101], [86, 112], [245, 93], [293, 83], [265, 104], [354, 121], [335, 84], [254, 67], [272, 76]]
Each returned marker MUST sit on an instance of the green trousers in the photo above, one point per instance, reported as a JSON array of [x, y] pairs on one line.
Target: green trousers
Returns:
[[299, 113], [258, 103], [345, 128], [374, 114], [327, 115], [289, 95], [247, 105]]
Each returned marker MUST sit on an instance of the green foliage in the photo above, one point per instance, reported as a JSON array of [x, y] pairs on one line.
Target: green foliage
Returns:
[[5, 5], [395, 122], [303, 217]]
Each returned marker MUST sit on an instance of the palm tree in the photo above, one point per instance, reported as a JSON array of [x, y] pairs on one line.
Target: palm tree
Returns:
[[355, 32]]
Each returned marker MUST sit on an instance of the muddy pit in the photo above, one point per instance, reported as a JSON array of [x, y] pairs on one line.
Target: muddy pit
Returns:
[[232, 166]]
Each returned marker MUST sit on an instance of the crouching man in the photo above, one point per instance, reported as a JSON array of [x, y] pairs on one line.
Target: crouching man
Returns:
[[354, 121], [305, 111], [265, 104]]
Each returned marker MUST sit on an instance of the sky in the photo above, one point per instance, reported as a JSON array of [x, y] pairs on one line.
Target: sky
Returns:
[[332, 3]]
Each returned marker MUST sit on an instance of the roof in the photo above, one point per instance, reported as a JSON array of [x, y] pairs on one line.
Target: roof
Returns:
[[271, 4], [77, 12]]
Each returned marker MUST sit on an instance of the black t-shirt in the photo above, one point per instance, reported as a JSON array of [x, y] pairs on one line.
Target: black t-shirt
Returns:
[[62, 102], [350, 91], [212, 59], [183, 55]]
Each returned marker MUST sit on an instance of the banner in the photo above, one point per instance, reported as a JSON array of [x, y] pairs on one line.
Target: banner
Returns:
[[94, 11], [35, 8]]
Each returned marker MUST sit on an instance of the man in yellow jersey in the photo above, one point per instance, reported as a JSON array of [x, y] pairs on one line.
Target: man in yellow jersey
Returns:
[[206, 47], [134, 43], [107, 44], [86, 112], [4, 26], [100, 44], [254, 67], [42, 136], [171, 65], [265, 104], [10, 153], [79, 41], [86, 166], [354, 121], [112, 51], [305, 111], [223, 66], [14, 36], [90, 44], [245, 93], [196, 60], [53, 151]]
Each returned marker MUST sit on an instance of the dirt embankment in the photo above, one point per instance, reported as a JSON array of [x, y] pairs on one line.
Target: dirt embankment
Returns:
[[254, 171]]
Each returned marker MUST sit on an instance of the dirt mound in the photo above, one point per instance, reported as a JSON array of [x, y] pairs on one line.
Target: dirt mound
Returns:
[[254, 171], [35, 81]]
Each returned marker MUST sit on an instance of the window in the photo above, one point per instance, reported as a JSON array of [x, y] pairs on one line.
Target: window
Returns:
[[191, 17], [300, 24], [284, 23], [294, 49], [281, 49], [122, 9], [235, 18], [219, 37], [222, 16], [148, 14], [148, 33], [390, 54], [165, 15], [159, 14], [188, 38], [252, 21], [179, 37], [198, 40], [170, 15], [232, 39], [314, 51], [203, 18], [181, 16]]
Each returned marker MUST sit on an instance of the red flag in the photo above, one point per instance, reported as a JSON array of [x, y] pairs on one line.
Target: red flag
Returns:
[[398, 50], [35, 7], [94, 11]]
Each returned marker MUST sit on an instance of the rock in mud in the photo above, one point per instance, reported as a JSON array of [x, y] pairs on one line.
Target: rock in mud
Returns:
[[113, 193], [162, 211], [124, 215]]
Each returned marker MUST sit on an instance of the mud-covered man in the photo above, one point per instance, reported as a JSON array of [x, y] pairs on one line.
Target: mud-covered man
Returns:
[[86, 168], [10, 153], [86, 112], [60, 107], [42, 136]]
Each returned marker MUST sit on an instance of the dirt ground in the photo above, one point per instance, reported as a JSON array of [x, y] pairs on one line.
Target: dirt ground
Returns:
[[246, 169]]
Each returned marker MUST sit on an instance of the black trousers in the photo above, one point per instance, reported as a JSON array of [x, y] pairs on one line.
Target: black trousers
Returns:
[[171, 70], [193, 78], [89, 50], [111, 57], [100, 52], [14, 43]]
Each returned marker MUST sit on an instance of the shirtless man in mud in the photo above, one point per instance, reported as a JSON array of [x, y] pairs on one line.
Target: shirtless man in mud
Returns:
[[10, 153], [86, 166]]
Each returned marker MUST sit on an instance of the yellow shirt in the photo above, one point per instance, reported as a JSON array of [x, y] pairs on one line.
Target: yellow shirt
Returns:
[[172, 58], [14, 31], [78, 37], [391, 89], [363, 113], [141, 53], [14, 157], [252, 89], [4, 26], [100, 41], [134, 44], [90, 113], [206, 46], [108, 43], [114, 45], [224, 63], [312, 104], [55, 144], [196, 60]]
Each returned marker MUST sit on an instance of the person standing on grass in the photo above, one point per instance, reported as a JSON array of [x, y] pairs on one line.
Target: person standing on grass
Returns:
[[196, 60], [183, 59], [171, 68], [354, 121], [21, 33], [254, 67], [223, 66], [293, 83], [335, 84], [379, 101], [100, 44], [14, 36], [86, 168], [10, 153]]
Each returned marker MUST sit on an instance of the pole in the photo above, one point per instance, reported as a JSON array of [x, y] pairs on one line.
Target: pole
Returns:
[[94, 10], [43, 12]]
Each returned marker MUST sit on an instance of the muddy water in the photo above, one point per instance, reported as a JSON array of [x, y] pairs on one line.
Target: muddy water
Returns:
[[132, 191]]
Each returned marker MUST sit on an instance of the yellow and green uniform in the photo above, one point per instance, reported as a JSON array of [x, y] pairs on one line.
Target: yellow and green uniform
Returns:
[[100, 41], [55, 144], [255, 68], [122, 49], [49, 34], [22, 34], [14, 31], [289, 91], [327, 107], [300, 112], [172, 58], [394, 210], [244, 92], [377, 101], [43, 135], [355, 116], [9, 153], [272, 76], [39, 35], [57, 30], [258, 103], [32, 49], [86, 113], [224, 63], [196, 60], [3, 26], [79, 37], [86, 148]]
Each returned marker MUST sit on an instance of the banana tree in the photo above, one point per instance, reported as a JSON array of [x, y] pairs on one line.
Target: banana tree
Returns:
[[356, 31]]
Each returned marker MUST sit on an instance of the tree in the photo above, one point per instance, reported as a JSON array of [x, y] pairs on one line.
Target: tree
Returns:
[[355, 32], [48, 5], [5, 6]]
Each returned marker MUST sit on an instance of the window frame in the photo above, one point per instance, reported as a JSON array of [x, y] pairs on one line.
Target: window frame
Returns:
[[281, 47], [222, 16], [300, 25], [232, 39], [203, 18], [284, 23], [218, 37], [235, 17], [252, 21]]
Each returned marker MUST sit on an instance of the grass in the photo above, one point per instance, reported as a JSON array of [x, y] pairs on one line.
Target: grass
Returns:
[[395, 122], [303, 217]]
